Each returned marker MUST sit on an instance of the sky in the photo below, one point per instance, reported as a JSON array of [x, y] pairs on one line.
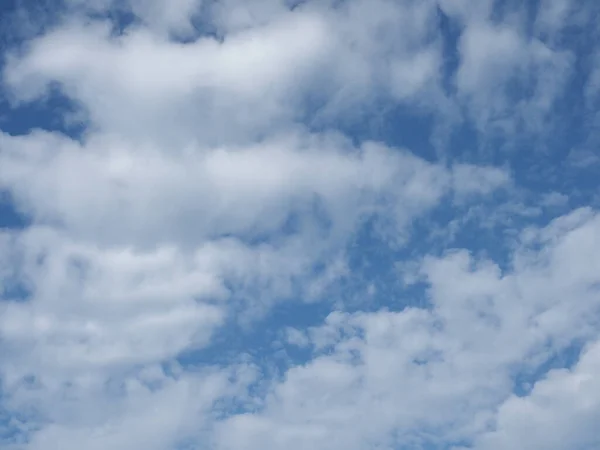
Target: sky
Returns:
[[318, 224]]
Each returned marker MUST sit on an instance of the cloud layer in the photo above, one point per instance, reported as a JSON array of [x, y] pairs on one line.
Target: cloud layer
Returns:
[[306, 225]]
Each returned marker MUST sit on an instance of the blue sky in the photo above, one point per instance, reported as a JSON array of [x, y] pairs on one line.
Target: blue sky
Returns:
[[261, 224]]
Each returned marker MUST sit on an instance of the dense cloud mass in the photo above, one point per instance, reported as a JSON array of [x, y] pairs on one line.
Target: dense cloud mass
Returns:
[[318, 224]]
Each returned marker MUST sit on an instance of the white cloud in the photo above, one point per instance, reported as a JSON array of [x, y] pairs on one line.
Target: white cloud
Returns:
[[490, 55], [98, 309], [210, 188], [143, 85], [419, 377], [509, 81], [561, 412], [112, 192], [552, 15], [138, 239], [151, 409], [256, 77]]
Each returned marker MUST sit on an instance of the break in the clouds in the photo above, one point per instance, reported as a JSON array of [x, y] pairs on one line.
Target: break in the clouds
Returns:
[[266, 224]]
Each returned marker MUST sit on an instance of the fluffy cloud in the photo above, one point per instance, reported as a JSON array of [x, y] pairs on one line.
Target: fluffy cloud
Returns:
[[212, 261], [433, 377], [561, 411]]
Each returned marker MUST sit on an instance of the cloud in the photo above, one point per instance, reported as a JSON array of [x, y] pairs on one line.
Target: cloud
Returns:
[[435, 376], [317, 61], [509, 79], [559, 412], [228, 255]]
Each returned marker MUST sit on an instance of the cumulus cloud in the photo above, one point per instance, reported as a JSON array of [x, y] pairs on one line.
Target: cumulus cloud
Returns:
[[227, 255], [432, 377]]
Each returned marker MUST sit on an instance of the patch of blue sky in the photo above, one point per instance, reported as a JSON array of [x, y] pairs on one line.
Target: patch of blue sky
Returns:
[[530, 372], [10, 217]]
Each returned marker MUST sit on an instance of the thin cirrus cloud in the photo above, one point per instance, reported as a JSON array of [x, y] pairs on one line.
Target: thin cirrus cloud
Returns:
[[229, 252]]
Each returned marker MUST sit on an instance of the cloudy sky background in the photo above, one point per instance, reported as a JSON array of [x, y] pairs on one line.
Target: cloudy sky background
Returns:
[[319, 224]]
